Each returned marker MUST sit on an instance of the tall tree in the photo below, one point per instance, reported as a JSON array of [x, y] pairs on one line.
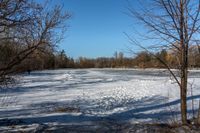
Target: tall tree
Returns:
[[28, 26], [172, 22]]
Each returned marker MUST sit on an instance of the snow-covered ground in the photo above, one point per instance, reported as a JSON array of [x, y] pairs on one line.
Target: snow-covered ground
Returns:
[[57, 97]]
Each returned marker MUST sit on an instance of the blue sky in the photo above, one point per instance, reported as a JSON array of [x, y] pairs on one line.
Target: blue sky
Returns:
[[96, 27]]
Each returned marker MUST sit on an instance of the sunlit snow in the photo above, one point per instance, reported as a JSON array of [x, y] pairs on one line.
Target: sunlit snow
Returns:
[[97, 94]]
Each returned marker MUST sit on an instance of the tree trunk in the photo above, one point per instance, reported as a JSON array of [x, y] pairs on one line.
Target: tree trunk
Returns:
[[184, 96], [184, 64]]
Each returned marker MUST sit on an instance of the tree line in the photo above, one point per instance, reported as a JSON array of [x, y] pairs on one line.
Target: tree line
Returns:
[[39, 60]]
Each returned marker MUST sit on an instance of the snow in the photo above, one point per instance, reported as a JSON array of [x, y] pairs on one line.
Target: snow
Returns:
[[96, 95]]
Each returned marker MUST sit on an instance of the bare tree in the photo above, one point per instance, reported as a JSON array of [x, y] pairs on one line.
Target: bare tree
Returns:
[[28, 26], [175, 24]]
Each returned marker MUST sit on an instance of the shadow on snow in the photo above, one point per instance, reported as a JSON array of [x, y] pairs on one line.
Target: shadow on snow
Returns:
[[136, 113]]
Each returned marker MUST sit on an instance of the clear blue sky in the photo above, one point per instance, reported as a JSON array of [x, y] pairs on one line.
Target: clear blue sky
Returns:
[[96, 27]]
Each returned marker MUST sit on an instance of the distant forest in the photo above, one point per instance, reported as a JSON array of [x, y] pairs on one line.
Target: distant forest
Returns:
[[45, 58]]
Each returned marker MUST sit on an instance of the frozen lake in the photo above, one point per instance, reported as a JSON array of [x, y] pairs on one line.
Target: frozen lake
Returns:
[[87, 95]]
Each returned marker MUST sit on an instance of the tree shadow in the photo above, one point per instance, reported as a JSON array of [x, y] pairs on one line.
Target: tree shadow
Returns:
[[164, 113], [149, 108]]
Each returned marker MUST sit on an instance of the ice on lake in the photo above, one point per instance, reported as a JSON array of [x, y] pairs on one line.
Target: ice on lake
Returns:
[[96, 94]]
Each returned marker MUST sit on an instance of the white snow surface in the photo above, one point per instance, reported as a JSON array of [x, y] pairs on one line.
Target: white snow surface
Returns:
[[98, 94]]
